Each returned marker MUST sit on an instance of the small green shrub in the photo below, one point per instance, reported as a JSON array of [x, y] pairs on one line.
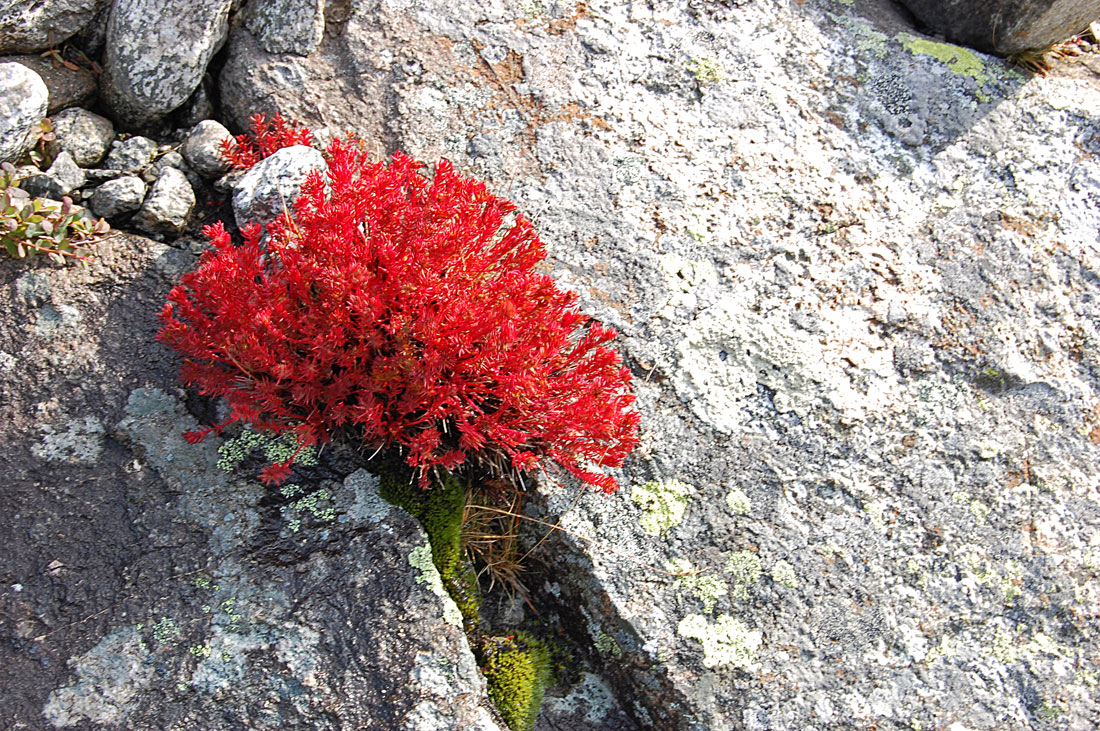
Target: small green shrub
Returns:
[[30, 226]]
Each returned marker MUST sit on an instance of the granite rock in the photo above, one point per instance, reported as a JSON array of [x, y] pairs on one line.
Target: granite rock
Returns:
[[85, 134], [118, 196], [853, 270], [131, 155], [27, 26], [67, 87], [287, 26], [62, 178], [156, 54], [168, 205], [202, 150], [272, 185], [23, 103], [1006, 27]]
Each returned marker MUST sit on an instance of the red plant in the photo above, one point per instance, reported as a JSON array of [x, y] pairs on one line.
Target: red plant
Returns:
[[244, 151], [407, 312]]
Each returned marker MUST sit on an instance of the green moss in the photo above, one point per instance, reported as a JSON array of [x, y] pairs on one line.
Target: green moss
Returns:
[[439, 510], [517, 671], [663, 504]]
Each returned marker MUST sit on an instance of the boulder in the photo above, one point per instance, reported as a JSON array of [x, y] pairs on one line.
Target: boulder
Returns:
[[27, 26], [118, 196], [23, 103], [852, 271], [273, 184], [168, 592], [287, 26], [62, 178], [156, 54], [85, 134], [202, 149], [1006, 27], [168, 206], [68, 87]]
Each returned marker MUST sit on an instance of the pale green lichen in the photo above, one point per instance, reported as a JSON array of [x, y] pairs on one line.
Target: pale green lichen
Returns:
[[738, 502], [784, 575], [959, 60], [420, 558], [868, 39], [663, 504], [1087, 678], [829, 549], [166, 631], [315, 503], [276, 448], [876, 512], [745, 570], [727, 642], [706, 70], [1008, 649], [948, 647], [707, 588], [983, 572]]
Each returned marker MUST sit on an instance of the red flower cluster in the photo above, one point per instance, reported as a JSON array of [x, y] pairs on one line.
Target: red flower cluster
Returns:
[[264, 139], [406, 311]]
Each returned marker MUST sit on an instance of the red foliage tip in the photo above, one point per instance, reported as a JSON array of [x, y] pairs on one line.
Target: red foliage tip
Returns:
[[275, 474], [407, 309], [264, 139]]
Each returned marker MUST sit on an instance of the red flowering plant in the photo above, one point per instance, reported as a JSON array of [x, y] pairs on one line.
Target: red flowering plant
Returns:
[[406, 311], [263, 140]]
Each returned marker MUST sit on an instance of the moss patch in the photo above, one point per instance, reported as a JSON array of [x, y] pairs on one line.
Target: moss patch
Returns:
[[517, 670], [439, 510]]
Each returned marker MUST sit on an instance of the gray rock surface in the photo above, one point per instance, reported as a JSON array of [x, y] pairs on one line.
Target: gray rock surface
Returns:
[[854, 269], [115, 197], [1006, 26], [62, 178], [131, 155], [168, 206], [23, 100], [202, 150], [27, 26], [287, 26], [171, 593], [85, 134], [273, 184], [156, 54]]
